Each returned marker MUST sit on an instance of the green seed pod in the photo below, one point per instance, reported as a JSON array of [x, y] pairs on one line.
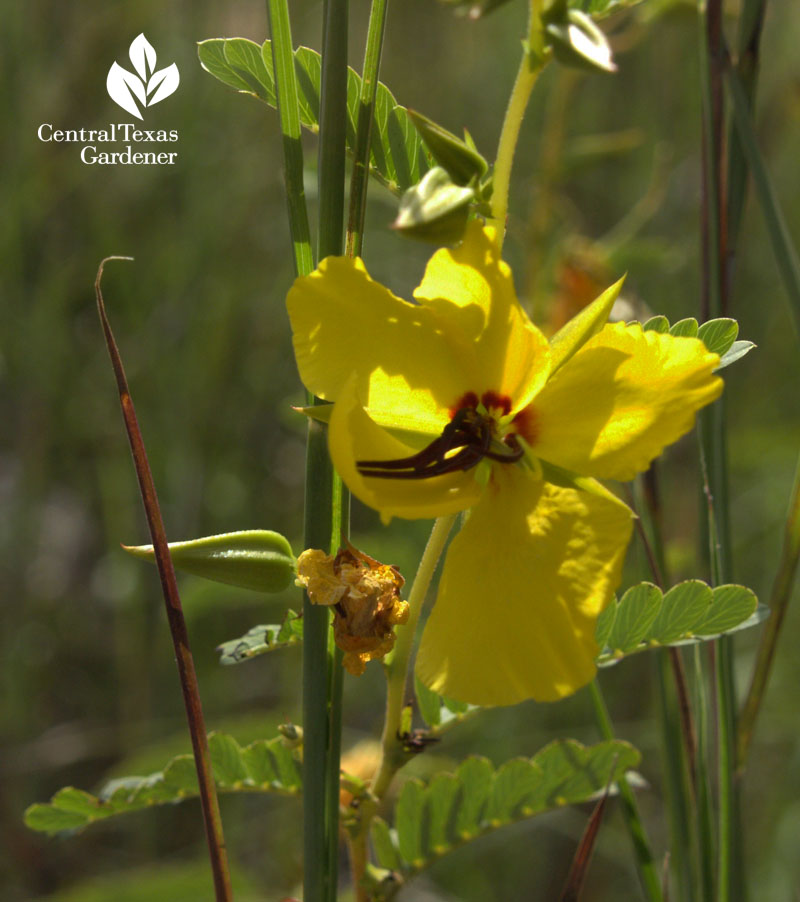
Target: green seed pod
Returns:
[[435, 210], [257, 559], [461, 160]]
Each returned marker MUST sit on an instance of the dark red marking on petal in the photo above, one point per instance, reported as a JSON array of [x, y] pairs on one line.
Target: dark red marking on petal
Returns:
[[491, 400], [470, 399], [527, 425]]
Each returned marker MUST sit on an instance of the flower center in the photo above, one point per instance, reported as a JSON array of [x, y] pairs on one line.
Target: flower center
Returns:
[[465, 441]]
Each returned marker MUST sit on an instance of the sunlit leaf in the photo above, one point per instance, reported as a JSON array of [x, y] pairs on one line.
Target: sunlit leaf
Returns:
[[718, 335], [263, 638], [432, 819], [263, 766], [398, 156], [685, 327], [690, 612], [737, 350]]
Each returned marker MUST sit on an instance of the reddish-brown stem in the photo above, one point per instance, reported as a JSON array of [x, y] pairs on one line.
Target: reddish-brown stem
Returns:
[[177, 625]]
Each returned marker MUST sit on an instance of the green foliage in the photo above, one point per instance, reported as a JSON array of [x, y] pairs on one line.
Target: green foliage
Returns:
[[598, 9], [431, 819], [263, 766], [263, 638], [718, 335], [689, 612], [174, 882], [257, 559], [439, 712], [398, 157]]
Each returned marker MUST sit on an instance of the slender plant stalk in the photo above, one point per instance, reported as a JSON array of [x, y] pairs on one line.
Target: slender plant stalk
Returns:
[[289, 116], [751, 22], [779, 603], [359, 184], [397, 664], [366, 114], [533, 61], [177, 625], [705, 813], [645, 863], [332, 127], [678, 792], [318, 657], [678, 731], [331, 174], [649, 533], [713, 436], [780, 237]]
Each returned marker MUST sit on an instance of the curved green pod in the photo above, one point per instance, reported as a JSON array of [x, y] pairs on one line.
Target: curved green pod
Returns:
[[257, 559]]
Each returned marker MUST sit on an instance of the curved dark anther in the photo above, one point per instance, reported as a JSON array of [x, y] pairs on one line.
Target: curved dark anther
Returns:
[[468, 434]]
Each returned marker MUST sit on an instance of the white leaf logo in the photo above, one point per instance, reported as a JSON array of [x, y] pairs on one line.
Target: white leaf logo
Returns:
[[146, 86]]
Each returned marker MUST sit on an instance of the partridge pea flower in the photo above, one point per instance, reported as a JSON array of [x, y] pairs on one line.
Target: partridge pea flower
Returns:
[[459, 403]]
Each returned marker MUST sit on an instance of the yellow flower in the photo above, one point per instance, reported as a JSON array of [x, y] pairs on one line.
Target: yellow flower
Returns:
[[459, 402]]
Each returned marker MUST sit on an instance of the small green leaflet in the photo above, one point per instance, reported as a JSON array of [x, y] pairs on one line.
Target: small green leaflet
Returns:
[[263, 638], [439, 712], [718, 335], [688, 613], [263, 766], [398, 158], [432, 819]]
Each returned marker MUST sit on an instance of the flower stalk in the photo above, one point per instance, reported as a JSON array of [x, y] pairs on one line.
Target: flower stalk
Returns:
[[534, 58], [397, 663]]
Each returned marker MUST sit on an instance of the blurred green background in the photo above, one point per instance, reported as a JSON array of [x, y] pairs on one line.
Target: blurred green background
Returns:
[[606, 180]]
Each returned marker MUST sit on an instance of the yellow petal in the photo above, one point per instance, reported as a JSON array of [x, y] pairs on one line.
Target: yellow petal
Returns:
[[353, 436], [344, 324], [471, 291], [522, 586], [621, 400]]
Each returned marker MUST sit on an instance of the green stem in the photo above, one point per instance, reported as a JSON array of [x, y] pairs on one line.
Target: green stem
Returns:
[[751, 21], [779, 235], [730, 877], [317, 664], [332, 127], [648, 872], [779, 603], [533, 61], [678, 791], [289, 115], [332, 143], [677, 725], [320, 753], [366, 114], [393, 756], [705, 813]]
